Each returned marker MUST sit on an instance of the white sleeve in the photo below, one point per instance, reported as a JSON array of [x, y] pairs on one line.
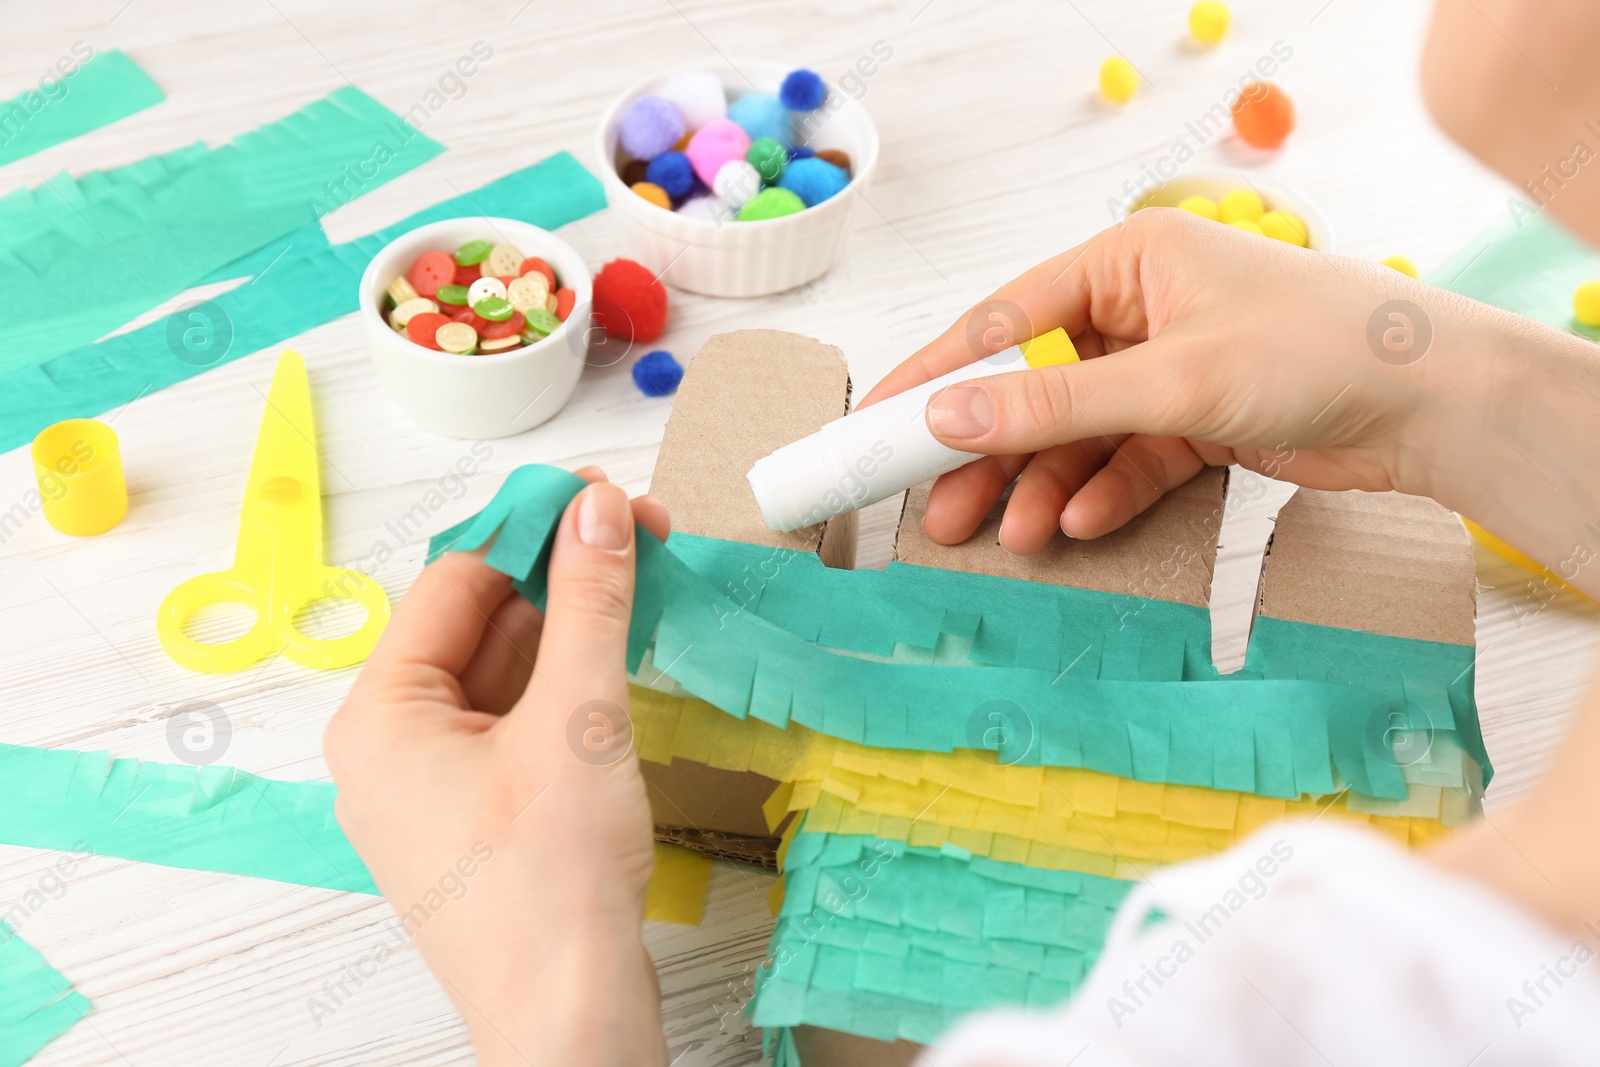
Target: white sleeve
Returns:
[[1317, 945]]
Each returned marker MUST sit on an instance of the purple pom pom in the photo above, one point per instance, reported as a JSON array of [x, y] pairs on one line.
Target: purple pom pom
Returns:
[[650, 126], [671, 171], [657, 373], [802, 90]]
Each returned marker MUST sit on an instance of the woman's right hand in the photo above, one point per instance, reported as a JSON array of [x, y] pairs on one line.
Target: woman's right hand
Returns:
[[1226, 348]]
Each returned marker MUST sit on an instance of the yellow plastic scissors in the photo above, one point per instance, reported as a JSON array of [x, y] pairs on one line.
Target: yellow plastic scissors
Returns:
[[277, 567]]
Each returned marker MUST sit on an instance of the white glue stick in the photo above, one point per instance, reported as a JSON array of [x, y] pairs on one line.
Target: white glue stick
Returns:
[[873, 453]]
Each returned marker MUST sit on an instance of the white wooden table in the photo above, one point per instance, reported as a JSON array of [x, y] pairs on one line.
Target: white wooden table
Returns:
[[995, 155]]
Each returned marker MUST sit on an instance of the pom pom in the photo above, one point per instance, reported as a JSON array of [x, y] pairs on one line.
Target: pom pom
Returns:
[[708, 209], [650, 127], [634, 171], [1263, 115], [657, 373], [655, 194], [802, 90], [813, 180], [768, 157], [629, 302], [838, 157], [737, 183], [698, 96], [761, 115], [1118, 80], [671, 171], [800, 151], [713, 146], [771, 204]]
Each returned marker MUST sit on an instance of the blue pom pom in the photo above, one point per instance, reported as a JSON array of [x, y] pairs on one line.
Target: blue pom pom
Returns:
[[650, 126], [657, 373], [800, 151], [802, 90], [671, 171], [761, 115], [813, 180]]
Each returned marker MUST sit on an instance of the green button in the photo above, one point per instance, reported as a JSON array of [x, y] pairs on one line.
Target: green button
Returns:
[[494, 308], [473, 252], [542, 322], [452, 294]]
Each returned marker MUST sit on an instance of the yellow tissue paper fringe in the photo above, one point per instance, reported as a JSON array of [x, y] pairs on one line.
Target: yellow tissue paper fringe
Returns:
[[678, 884], [1055, 817]]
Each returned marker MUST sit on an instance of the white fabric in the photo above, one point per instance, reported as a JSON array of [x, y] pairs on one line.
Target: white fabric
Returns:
[[1318, 945]]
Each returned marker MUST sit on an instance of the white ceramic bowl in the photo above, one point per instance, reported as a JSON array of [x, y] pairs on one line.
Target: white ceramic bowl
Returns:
[[492, 395], [1216, 183], [742, 258]]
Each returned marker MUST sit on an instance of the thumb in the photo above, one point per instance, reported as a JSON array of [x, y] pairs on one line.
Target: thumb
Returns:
[[580, 670], [1146, 388]]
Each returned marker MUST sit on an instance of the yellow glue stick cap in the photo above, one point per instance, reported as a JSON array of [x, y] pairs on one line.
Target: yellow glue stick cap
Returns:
[[78, 466], [1049, 350]]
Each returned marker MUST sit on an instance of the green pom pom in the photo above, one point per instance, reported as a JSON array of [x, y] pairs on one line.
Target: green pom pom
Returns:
[[768, 157], [771, 204]]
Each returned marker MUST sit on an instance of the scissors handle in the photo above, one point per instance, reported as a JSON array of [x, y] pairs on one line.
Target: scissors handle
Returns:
[[205, 590], [274, 626], [326, 654]]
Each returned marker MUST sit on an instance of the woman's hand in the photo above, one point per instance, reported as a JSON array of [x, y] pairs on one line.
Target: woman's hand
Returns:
[[1224, 348], [486, 778]]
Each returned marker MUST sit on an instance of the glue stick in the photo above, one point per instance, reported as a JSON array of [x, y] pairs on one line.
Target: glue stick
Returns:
[[876, 452]]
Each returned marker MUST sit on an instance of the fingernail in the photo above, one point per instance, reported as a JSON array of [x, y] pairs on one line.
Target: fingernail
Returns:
[[961, 411], [604, 517]]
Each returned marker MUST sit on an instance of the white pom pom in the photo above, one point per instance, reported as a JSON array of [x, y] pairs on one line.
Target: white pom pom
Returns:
[[709, 208], [736, 183], [699, 97]]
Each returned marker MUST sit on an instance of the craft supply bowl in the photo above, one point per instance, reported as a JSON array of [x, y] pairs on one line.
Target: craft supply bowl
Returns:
[[492, 395], [731, 258], [1216, 183]]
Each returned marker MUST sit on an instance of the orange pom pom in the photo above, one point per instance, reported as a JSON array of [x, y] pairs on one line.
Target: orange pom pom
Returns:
[[1263, 115]]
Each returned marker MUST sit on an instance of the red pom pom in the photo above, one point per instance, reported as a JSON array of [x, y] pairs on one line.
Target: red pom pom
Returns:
[[628, 301]]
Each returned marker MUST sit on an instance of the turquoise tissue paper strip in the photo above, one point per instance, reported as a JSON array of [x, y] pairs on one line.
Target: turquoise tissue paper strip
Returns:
[[198, 818], [890, 941], [1528, 265], [136, 243], [37, 1004], [300, 282], [107, 87], [1265, 732]]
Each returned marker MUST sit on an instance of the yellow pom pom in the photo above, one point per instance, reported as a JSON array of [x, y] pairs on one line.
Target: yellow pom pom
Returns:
[[653, 193], [1248, 226], [1241, 204], [1586, 303], [1401, 264], [1203, 206], [1209, 20], [1282, 226], [1118, 80]]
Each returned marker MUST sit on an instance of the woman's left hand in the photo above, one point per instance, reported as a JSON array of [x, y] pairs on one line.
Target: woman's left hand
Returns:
[[487, 779]]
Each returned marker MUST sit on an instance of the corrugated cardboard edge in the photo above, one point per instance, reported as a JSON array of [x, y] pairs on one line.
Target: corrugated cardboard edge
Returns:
[[743, 395], [832, 1048], [1381, 562], [1167, 553]]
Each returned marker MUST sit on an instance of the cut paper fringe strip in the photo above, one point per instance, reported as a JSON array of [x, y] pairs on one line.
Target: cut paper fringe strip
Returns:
[[298, 282], [141, 234], [37, 1004], [1053, 817], [1272, 736], [887, 941], [107, 87]]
